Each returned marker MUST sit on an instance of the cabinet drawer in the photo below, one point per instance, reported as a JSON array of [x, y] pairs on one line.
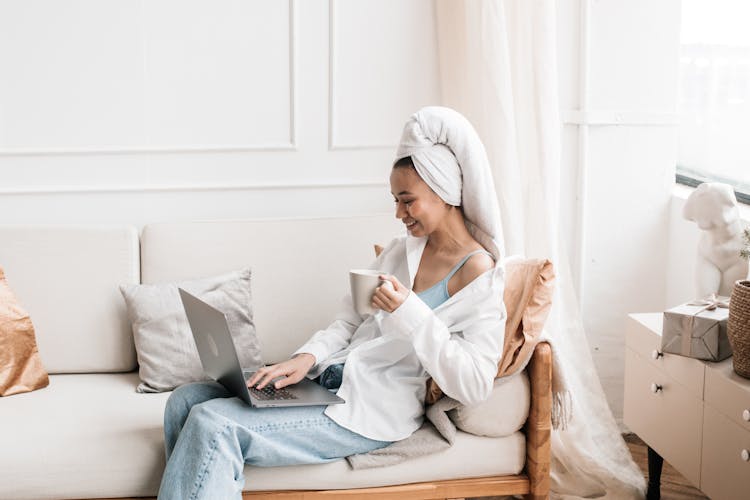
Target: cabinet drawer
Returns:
[[725, 475], [728, 393], [644, 337], [669, 420]]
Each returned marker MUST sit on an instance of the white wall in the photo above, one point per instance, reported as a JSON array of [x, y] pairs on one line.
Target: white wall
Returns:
[[618, 87], [618, 72], [137, 112]]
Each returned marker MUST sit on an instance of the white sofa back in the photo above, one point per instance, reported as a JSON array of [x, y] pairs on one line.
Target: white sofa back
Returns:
[[300, 266], [67, 278]]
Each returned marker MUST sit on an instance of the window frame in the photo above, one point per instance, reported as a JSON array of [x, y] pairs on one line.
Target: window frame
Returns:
[[693, 179]]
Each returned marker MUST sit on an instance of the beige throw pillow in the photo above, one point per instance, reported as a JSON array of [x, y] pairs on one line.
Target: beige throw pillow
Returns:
[[167, 356], [21, 368], [502, 414]]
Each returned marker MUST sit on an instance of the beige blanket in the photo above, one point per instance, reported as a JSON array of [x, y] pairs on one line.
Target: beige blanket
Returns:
[[436, 434]]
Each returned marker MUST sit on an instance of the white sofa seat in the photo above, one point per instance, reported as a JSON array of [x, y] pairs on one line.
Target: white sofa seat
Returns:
[[470, 456], [93, 436], [84, 436]]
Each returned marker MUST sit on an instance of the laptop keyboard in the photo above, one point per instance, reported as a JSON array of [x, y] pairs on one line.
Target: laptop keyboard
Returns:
[[270, 393]]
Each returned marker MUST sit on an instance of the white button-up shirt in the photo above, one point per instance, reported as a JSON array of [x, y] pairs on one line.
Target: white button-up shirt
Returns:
[[390, 356]]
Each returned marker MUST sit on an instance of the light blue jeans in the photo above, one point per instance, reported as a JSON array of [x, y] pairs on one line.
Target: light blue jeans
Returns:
[[209, 436]]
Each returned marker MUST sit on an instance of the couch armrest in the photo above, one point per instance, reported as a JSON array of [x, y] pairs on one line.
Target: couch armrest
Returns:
[[539, 424]]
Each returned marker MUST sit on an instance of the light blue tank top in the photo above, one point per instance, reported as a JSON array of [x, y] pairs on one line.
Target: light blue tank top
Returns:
[[438, 293]]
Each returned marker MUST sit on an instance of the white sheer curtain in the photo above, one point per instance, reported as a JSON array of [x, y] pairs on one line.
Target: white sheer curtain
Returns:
[[498, 68]]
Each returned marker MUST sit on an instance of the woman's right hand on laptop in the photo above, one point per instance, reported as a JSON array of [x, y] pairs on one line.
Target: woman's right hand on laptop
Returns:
[[291, 371]]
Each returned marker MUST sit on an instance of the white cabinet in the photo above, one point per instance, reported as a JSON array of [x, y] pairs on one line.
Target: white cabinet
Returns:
[[695, 414], [725, 470]]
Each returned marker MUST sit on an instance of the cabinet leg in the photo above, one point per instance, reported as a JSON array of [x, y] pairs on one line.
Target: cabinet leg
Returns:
[[655, 461]]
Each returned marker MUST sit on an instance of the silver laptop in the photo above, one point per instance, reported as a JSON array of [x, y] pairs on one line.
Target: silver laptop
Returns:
[[219, 359]]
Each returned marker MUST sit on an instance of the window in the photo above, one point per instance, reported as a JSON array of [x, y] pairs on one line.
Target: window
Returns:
[[714, 94]]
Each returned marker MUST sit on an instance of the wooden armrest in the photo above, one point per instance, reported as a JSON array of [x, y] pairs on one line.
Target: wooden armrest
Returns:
[[539, 424]]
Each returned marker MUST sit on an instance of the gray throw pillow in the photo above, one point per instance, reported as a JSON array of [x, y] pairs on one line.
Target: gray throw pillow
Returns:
[[167, 356]]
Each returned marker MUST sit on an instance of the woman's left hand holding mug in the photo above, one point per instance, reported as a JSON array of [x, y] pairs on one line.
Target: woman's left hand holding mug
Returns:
[[390, 295]]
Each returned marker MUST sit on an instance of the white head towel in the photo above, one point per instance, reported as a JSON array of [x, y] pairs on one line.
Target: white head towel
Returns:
[[449, 156]]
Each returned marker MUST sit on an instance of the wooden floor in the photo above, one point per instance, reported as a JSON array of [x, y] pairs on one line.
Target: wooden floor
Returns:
[[673, 485]]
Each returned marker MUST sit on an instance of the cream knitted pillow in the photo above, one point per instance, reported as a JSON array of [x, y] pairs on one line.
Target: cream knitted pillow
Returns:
[[167, 355]]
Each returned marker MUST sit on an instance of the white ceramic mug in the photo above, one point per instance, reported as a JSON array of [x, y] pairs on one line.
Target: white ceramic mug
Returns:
[[363, 283]]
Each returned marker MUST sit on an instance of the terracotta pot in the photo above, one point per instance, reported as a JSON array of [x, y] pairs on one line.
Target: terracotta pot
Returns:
[[738, 327]]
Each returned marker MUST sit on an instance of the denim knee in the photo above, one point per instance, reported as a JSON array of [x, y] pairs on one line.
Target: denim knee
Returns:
[[178, 405], [206, 425], [207, 457], [184, 397]]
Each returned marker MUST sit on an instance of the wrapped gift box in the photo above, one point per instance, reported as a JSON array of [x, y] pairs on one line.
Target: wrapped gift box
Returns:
[[695, 331]]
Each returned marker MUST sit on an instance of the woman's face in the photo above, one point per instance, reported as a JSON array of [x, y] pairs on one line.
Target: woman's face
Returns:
[[418, 207]]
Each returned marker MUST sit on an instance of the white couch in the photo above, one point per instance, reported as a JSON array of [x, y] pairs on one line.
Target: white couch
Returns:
[[90, 435]]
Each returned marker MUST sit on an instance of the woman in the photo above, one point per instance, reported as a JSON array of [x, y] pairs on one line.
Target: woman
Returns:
[[443, 317]]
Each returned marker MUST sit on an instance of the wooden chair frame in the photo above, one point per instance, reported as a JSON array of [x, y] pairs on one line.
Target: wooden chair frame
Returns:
[[534, 482]]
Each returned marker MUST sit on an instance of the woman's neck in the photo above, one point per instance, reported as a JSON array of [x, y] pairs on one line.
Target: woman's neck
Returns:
[[452, 236]]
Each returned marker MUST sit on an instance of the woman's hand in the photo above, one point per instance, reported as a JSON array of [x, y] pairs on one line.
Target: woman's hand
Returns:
[[292, 370], [390, 295]]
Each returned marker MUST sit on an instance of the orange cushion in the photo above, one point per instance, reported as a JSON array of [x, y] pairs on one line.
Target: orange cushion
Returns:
[[529, 286], [21, 368]]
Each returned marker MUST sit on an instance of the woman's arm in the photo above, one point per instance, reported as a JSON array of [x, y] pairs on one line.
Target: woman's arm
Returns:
[[336, 337], [463, 360], [321, 345], [325, 343], [292, 370]]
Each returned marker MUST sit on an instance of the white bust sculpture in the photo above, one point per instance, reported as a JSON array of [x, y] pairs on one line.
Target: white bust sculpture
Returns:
[[713, 207]]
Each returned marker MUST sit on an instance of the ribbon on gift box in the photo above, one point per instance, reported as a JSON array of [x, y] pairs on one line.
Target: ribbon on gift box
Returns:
[[710, 303]]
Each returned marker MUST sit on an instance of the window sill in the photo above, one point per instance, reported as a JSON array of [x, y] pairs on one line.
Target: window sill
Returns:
[[681, 192]]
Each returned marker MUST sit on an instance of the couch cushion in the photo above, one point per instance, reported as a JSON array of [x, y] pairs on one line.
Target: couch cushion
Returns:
[[167, 352], [93, 436], [300, 262], [494, 416], [84, 436], [470, 456], [67, 278]]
